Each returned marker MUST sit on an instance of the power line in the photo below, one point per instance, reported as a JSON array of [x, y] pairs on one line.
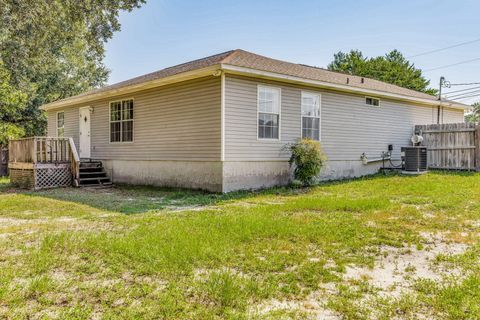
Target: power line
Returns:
[[451, 65], [472, 96], [456, 96], [464, 84], [455, 91], [445, 48]]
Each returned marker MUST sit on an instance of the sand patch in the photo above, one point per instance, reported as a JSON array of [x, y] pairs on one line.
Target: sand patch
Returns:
[[394, 273], [313, 307], [397, 268], [185, 208], [14, 222]]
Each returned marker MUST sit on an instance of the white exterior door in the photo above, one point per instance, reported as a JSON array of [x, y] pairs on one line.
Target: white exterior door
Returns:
[[84, 134]]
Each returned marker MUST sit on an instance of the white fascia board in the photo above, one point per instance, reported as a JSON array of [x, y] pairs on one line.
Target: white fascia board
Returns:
[[189, 75], [338, 87]]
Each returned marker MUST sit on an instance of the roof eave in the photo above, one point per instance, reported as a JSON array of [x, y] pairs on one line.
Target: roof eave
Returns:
[[212, 70], [337, 87], [184, 76]]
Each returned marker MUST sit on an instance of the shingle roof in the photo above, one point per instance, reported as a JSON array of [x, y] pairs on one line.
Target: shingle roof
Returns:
[[245, 59], [167, 72]]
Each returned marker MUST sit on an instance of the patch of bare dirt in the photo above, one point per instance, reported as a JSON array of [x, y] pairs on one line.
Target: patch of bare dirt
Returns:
[[11, 222], [396, 268], [393, 274], [186, 208], [312, 306]]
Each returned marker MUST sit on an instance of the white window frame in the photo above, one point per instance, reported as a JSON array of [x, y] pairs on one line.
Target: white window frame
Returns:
[[259, 87], [110, 122], [319, 113], [372, 105], [56, 122]]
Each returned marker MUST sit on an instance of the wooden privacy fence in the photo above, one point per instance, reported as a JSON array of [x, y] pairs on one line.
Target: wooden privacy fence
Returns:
[[39, 150], [452, 146]]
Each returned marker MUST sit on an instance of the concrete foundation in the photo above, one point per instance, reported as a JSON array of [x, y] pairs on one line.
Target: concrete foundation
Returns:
[[205, 175], [224, 177], [244, 175], [263, 174], [345, 169]]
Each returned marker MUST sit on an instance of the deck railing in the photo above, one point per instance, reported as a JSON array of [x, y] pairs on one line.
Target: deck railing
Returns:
[[74, 160], [21, 150], [45, 150]]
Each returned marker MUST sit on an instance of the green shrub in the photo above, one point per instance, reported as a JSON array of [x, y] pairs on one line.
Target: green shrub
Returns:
[[308, 158]]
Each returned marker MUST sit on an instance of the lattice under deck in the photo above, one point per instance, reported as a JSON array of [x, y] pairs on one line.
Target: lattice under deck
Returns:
[[52, 177]]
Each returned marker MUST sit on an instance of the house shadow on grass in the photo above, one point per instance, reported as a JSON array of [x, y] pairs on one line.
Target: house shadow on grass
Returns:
[[128, 199]]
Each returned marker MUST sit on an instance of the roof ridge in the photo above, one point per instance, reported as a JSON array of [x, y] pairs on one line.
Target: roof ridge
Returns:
[[146, 75], [229, 52], [364, 77], [232, 54]]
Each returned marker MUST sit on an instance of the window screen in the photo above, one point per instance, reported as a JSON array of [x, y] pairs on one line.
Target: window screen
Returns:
[[311, 116], [121, 121], [60, 124], [268, 112]]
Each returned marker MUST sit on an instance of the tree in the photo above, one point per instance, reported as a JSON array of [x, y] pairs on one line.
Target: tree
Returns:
[[474, 115], [393, 68], [50, 50], [12, 104]]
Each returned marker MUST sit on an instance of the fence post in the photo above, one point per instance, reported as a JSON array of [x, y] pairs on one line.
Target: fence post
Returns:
[[3, 161], [477, 147]]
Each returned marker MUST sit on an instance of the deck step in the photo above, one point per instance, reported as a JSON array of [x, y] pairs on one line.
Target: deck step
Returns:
[[94, 179], [93, 175], [97, 169], [90, 182], [99, 186], [91, 164]]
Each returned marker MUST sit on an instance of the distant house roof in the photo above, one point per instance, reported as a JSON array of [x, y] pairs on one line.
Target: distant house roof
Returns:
[[235, 59]]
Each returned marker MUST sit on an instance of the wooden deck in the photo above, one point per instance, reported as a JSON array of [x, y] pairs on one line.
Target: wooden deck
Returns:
[[43, 162]]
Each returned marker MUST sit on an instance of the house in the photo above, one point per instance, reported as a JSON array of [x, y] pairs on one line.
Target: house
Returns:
[[221, 123]]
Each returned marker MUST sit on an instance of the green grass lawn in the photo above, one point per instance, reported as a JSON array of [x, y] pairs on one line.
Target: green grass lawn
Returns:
[[376, 248]]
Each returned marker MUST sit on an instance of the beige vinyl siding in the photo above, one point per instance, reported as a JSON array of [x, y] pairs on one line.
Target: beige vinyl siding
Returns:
[[71, 123], [452, 116], [51, 124], [241, 142], [174, 122], [348, 126]]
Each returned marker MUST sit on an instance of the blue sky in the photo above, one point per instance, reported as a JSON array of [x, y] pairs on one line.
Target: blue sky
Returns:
[[166, 32]]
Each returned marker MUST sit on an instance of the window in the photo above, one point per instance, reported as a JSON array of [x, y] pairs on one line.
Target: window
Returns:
[[268, 112], [372, 101], [60, 124], [121, 121], [311, 116]]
